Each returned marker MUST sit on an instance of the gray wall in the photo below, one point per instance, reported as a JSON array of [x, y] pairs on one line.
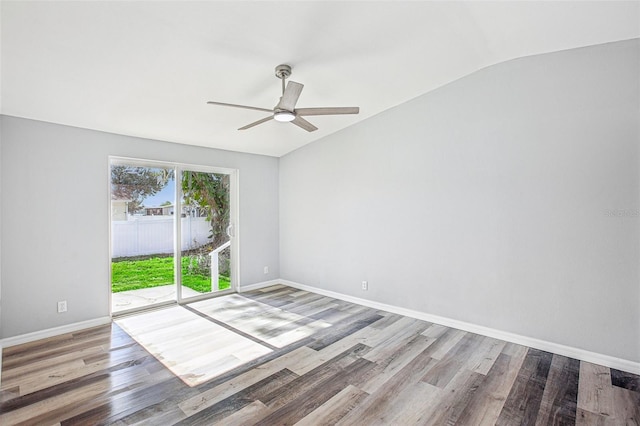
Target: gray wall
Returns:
[[487, 201], [1, 198], [55, 217]]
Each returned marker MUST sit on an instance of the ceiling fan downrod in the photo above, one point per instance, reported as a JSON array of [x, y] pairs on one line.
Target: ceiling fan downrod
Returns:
[[283, 72]]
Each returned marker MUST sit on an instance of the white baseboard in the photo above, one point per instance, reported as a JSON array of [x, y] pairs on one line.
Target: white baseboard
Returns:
[[258, 286], [51, 332], [556, 348], [69, 328]]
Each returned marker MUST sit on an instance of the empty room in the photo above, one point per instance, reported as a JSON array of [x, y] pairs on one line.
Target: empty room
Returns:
[[319, 212]]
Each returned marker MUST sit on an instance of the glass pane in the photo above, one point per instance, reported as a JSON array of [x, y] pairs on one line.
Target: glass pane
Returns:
[[205, 243], [142, 236]]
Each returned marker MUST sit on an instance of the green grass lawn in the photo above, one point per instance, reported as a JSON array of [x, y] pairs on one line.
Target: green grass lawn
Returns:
[[157, 271]]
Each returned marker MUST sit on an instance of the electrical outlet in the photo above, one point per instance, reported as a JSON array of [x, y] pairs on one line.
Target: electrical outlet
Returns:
[[266, 269], [62, 306], [365, 285]]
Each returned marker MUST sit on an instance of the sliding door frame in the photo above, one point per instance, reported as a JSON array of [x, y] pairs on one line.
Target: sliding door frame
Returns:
[[234, 216]]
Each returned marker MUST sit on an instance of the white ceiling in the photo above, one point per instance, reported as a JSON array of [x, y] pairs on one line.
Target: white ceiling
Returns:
[[147, 68]]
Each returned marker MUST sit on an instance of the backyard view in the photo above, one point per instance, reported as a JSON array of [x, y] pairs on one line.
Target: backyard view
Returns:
[[143, 228], [158, 271]]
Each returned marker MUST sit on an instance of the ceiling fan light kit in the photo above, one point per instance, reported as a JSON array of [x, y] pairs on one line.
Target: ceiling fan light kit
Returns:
[[285, 111], [284, 116]]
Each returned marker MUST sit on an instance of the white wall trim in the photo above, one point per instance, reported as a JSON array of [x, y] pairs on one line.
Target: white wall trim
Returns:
[[556, 348], [70, 328], [51, 332], [259, 285]]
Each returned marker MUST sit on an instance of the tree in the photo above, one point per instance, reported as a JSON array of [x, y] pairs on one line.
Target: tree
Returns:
[[136, 183], [209, 192]]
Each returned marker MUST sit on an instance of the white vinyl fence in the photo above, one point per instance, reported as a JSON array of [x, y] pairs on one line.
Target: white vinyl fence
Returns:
[[154, 234]]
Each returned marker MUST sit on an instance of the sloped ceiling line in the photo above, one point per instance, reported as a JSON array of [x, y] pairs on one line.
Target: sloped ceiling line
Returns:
[[147, 68]]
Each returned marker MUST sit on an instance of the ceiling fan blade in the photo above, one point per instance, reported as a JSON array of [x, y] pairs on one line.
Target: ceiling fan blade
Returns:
[[255, 123], [290, 96], [327, 111], [239, 106], [301, 122]]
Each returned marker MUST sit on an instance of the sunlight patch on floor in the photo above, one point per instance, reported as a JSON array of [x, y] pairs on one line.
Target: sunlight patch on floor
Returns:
[[267, 323], [193, 348]]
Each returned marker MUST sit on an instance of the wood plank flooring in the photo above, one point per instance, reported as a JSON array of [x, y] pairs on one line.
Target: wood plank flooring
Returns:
[[314, 361]]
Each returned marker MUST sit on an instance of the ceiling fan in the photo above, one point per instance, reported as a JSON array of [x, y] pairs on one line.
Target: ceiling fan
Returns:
[[285, 110]]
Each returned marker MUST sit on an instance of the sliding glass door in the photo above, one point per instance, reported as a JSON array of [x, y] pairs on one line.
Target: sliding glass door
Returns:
[[171, 233], [205, 229]]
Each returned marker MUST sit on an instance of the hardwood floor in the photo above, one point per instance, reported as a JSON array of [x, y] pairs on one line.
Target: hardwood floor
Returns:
[[313, 360]]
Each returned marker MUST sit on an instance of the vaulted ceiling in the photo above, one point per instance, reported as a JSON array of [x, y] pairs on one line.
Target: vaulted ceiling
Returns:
[[147, 68]]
